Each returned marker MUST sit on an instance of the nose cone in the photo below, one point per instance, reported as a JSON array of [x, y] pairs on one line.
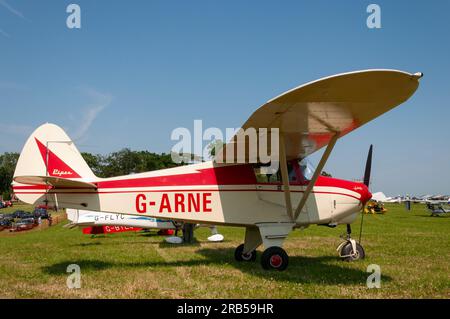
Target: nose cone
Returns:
[[366, 195]]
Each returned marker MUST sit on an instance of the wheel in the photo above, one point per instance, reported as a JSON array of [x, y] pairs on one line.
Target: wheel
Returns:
[[347, 249], [274, 258], [239, 256]]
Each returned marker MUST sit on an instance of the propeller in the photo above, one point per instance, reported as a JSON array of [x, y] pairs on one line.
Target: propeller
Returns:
[[366, 182], [368, 167]]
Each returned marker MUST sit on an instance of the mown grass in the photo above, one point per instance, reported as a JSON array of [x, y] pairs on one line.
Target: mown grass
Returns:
[[412, 249]]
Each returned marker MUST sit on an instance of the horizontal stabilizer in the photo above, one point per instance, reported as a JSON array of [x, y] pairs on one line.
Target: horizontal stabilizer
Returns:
[[56, 182]]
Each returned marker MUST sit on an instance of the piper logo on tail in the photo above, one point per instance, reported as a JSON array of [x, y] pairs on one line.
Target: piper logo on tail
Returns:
[[57, 172], [56, 167]]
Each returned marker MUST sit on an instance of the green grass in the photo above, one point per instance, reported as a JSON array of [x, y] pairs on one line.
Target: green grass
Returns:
[[412, 249]]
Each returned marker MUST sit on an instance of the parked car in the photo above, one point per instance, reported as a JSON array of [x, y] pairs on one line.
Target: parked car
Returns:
[[22, 214], [47, 207], [41, 212], [25, 224], [7, 216], [5, 203]]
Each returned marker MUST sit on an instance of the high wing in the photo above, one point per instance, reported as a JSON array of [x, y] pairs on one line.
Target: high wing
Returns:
[[310, 115]]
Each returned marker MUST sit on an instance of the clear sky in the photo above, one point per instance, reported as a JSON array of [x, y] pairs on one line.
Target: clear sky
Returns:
[[138, 69]]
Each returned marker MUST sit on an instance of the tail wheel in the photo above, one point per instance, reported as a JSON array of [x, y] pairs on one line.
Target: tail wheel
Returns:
[[349, 255], [274, 258], [240, 256]]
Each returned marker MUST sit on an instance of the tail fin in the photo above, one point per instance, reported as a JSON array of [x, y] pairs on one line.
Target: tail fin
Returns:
[[50, 152], [72, 216]]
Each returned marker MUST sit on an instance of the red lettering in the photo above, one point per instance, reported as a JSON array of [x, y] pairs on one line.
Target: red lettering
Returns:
[[179, 202], [141, 206], [206, 202], [194, 203], [165, 204]]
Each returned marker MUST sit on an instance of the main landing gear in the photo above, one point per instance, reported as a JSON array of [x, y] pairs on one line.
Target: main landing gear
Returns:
[[240, 256], [350, 250], [271, 235], [272, 258]]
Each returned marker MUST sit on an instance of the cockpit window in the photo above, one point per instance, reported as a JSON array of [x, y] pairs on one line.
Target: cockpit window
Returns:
[[264, 175], [306, 169]]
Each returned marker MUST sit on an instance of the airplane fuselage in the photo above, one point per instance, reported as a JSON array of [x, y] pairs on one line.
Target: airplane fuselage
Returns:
[[208, 193]]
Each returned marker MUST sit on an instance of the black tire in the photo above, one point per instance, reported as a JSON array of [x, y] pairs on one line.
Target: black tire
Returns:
[[274, 258], [239, 256], [347, 250]]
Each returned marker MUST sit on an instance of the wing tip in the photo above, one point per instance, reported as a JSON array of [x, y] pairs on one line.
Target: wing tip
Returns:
[[418, 75]]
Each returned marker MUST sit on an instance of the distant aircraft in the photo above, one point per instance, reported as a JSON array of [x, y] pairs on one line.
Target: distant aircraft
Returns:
[[308, 118], [381, 197], [430, 199], [436, 208], [83, 218]]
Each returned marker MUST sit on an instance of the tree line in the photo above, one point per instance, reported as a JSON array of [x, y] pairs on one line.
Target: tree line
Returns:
[[123, 162]]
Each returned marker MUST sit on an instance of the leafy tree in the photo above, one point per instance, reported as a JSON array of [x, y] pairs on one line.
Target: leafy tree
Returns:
[[8, 163], [214, 147], [123, 162], [326, 174], [94, 162]]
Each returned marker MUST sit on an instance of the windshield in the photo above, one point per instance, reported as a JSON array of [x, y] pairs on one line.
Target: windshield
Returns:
[[306, 168]]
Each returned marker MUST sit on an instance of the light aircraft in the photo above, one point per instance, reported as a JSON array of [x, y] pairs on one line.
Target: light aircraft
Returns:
[[381, 197], [309, 117], [437, 208], [83, 218]]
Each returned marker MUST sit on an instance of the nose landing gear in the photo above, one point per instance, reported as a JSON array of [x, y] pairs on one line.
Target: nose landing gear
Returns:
[[350, 250]]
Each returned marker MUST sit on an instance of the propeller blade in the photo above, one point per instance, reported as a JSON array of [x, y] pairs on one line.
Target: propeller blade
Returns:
[[368, 167], [366, 182]]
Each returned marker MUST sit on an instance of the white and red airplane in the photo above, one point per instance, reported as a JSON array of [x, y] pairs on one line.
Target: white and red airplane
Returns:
[[117, 222], [51, 170]]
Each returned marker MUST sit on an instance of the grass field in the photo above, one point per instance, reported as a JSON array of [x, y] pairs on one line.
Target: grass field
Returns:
[[412, 249]]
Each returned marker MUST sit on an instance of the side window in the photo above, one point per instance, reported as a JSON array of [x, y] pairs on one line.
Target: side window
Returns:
[[293, 178], [262, 176]]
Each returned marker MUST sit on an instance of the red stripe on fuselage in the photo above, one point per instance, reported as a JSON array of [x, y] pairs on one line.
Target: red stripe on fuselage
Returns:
[[236, 175], [226, 175]]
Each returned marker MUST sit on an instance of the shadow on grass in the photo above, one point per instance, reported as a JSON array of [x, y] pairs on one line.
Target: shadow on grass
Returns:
[[161, 244], [447, 215], [319, 270], [85, 244]]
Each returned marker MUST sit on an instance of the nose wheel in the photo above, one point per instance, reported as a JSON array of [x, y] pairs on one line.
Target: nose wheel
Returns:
[[350, 250]]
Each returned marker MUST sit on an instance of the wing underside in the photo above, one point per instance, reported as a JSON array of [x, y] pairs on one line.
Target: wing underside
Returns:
[[310, 115]]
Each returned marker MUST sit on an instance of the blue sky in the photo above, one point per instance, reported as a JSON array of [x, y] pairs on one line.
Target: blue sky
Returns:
[[138, 69]]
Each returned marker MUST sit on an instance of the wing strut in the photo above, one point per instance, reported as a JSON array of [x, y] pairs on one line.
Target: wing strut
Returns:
[[285, 177], [316, 174]]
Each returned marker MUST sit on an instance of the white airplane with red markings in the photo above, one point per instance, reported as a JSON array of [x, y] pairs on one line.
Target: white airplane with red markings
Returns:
[[310, 117]]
